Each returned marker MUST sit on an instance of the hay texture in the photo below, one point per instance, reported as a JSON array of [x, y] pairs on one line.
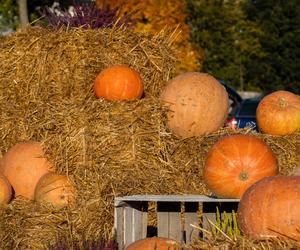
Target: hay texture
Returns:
[[107, 149]]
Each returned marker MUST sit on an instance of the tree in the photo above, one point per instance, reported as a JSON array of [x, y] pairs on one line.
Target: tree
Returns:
[[23, 13], [227, 38], [152, 16], [252, 44], [8, 15], [280, 23]]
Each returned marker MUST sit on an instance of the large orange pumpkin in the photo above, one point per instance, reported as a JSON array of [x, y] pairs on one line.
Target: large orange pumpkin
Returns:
[[118, 82], [270, 208], [235, 162], [55, 189], [5, 190], [23, 165], [198, 104], [158, 243], [279, 113]]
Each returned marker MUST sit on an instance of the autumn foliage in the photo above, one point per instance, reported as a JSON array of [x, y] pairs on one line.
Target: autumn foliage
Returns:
[[152, 16]]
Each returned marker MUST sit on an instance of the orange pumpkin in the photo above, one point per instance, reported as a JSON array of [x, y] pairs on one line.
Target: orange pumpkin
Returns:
[[279, 113], [198, 104], [118, 82], [55, 189], [5, 190], [270, 208], [158, 243], [236, 162], [23, 165]]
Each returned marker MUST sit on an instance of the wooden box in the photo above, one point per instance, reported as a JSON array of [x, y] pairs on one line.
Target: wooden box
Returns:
[[177, 216]]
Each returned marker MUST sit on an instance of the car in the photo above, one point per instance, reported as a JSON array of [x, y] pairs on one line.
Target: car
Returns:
[[245, 114], [234, 97]]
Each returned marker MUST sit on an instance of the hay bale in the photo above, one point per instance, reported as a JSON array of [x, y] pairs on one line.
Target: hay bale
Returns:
[[108, 149]]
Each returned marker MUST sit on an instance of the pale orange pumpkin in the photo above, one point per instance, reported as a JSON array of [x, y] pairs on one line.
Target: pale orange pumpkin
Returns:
[[197, 104], [23, 165], [119, 82], [5, 190], [279, 113], [270, 208], [55, 189], [158, 243], [235, 162]]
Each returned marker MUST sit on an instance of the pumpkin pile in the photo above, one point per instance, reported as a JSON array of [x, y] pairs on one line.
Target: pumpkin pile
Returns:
[[26, 169], [244, 166], [133, 135]]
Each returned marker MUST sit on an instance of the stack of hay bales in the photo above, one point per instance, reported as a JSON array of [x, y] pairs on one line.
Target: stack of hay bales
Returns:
[[106, 148]]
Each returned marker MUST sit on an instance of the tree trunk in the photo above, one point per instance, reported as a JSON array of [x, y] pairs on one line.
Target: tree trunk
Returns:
[[23, 13]]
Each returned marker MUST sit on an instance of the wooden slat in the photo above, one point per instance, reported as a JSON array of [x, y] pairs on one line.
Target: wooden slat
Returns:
[[173, 198], [128, 225], [169, 220], [130, 222], [191, 218], [140, 212], [119, 226], [207, 218]]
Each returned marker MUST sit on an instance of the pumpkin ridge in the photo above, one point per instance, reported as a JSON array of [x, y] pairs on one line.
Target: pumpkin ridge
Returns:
[[248, 152], [263, 154], [224, 156], [241, 163], [42, 180], [55, 188]]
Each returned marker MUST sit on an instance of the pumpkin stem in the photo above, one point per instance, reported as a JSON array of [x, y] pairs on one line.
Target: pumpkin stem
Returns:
[[243, 176], [282, 102]]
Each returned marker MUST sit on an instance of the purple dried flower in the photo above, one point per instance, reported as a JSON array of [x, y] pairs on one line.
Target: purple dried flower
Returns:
[[84, 15], [100, 244]]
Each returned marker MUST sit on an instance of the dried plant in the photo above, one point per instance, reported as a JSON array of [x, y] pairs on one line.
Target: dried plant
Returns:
[[99, 244], [84, 15]]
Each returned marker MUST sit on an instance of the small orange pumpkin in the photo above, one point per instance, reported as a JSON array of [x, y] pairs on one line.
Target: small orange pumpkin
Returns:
[[5, 190], [23, 165], [197, 104], [55, 189], [279, 113], [236, 162], [118, 82], [158, 243], [270, 208]]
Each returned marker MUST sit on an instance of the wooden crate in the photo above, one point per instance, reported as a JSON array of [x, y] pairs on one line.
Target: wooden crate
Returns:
[[131, 216]]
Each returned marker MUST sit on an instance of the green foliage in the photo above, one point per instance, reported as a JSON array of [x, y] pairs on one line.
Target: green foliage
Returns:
[[228, 39], [8, 15], [225, 224], [252, 44], [280, 23]]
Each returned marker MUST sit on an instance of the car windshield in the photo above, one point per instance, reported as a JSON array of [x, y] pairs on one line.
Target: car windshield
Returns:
[[248, 109]]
